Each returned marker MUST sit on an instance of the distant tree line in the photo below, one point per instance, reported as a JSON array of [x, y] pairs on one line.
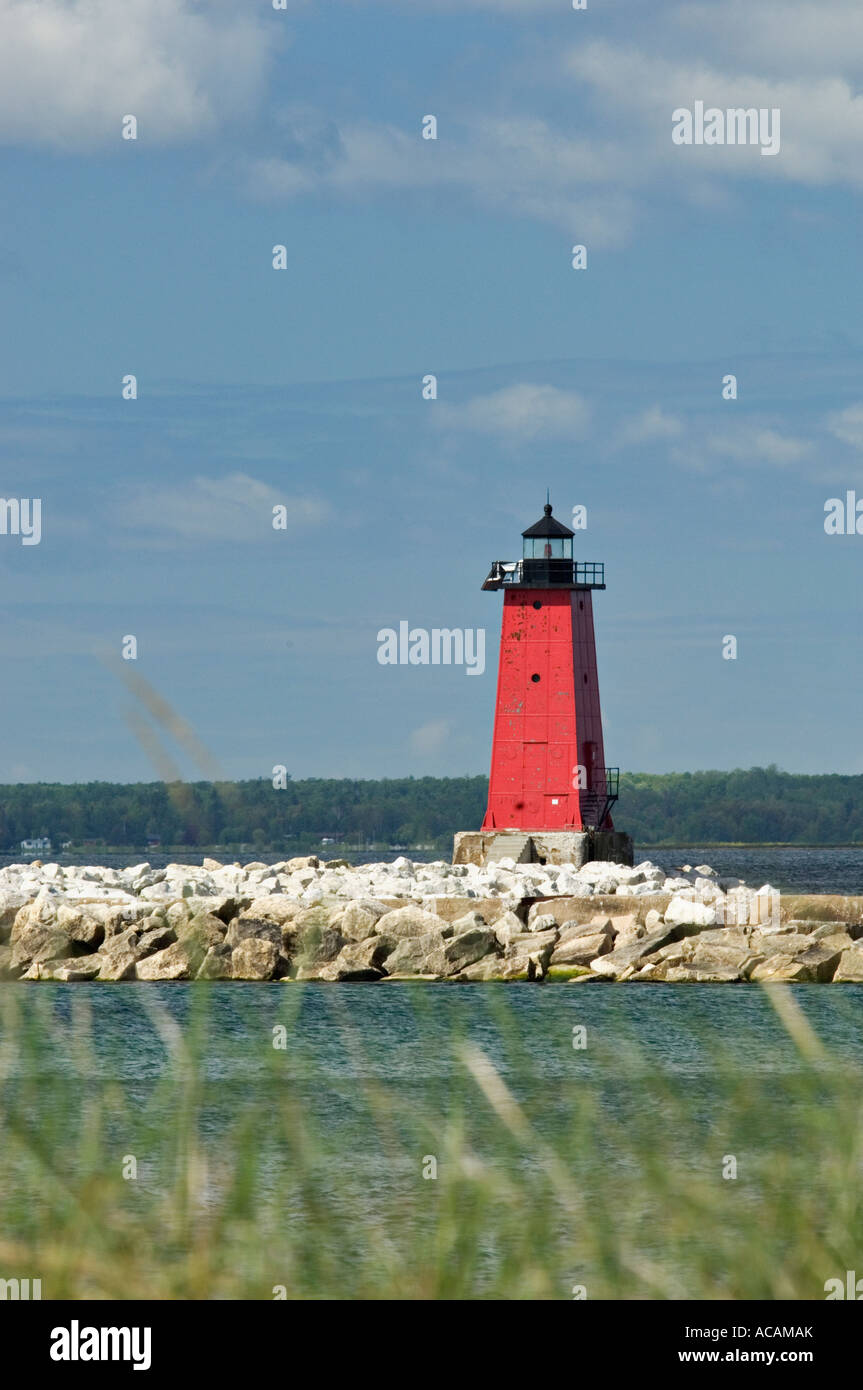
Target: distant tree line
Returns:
[[754, 806]]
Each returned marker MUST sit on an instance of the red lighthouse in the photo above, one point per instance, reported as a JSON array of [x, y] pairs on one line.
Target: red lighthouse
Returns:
[[548, 771]]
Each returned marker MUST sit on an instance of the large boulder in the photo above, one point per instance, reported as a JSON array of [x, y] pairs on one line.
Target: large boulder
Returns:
[[179, 961], [251, 929], [102, 920], [217, 963], [118, 965], [254, 958], [411, 921], [723, 936], [718, 961], [469, 921], [836, 940], [562, 910], [777, 969], [542, 922], [37, 943], [358, 920], [317, 947], [507, 926], [469, 946], [124, 941], [685, 911], [816, 963], [850, 967], [359, 960], [822, 960], [770, 943], [70, 969], [578, 947], [698, 974], [11, 902], [623, 960], [155, 939], [278, 908], [526, 956], [505, 967], [423, 954], [308, 923], [204, 929]]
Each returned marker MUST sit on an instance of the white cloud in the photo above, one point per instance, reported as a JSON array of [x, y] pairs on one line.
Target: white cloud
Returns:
[[749, 444], [847, 425], [232, 508], [762, 445], [70, 70], [651, 425], [519, 164], [519, 413], [803, 36]]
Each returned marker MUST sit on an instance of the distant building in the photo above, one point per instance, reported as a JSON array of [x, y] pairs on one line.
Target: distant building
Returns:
[[41, 845]]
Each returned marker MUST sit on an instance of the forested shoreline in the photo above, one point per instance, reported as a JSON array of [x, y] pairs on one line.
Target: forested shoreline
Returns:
[[753, 806]]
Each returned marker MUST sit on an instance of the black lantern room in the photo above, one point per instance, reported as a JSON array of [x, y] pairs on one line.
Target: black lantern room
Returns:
[[547, 552]]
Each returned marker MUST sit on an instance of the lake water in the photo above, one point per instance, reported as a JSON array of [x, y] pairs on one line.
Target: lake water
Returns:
[[336, 1125]]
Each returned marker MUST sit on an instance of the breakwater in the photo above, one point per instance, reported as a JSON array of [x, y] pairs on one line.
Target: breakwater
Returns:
[[301, 919]]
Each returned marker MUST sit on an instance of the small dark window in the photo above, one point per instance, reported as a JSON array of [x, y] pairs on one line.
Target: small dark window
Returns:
[[536, 603], [581, 603], [535, 678], [585, 678]]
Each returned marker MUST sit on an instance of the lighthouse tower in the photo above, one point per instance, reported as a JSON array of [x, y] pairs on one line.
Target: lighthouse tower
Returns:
[[550, 792]]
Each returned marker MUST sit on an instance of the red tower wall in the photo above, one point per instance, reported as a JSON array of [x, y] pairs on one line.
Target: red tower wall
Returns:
[[544, 729]]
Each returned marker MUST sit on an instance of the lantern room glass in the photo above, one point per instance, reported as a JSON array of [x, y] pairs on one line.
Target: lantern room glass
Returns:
[[547, 548]]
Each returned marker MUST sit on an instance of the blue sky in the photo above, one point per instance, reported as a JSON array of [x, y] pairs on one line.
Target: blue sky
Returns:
[[405, 257]]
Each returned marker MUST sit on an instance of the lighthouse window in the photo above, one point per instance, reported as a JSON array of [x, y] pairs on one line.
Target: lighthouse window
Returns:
[[535, 678], [536, 603], [547, 548]]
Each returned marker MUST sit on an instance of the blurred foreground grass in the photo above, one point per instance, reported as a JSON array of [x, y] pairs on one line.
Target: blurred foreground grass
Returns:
[[260, 1166]]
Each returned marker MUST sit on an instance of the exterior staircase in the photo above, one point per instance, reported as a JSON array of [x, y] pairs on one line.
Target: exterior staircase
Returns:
[[510, 845]]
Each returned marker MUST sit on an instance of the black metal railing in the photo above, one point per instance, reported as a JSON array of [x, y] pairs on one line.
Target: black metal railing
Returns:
[[597, 800], [589, 573]]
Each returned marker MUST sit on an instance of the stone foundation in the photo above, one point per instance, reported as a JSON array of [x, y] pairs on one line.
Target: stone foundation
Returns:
[[575, 847]]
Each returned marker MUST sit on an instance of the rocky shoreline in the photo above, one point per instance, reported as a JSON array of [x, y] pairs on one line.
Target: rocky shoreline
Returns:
[[301, 919]]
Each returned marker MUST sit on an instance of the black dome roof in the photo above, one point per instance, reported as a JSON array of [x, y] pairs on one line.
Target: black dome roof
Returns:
[[548, 526]]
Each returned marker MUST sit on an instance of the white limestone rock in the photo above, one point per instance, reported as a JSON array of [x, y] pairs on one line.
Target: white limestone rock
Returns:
[[684, 911]]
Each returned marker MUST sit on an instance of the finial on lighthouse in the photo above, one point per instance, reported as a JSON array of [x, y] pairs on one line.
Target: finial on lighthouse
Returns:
[[547, 507]]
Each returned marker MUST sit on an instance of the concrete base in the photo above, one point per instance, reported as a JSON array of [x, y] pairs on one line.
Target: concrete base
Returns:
[[576, 847]]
